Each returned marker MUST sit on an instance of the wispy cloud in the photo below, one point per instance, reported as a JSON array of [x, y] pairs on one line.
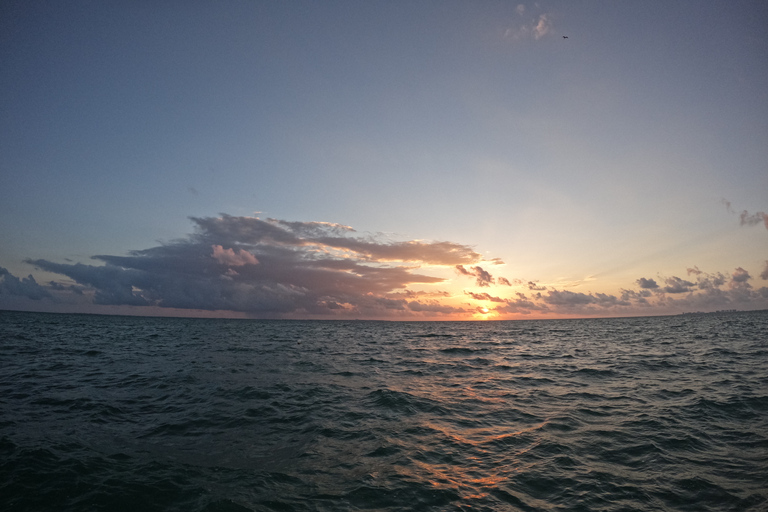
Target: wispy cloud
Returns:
[[543, 27], [746, 218], [753, 219], [528, 25]]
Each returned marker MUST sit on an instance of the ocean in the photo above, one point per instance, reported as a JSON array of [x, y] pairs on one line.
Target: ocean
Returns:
[[143, 414]]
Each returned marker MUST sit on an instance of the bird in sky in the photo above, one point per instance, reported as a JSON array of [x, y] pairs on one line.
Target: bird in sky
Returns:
[[565, 37]]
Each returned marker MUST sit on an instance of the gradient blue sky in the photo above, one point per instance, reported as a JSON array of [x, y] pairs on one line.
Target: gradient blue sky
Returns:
[[628, 150]]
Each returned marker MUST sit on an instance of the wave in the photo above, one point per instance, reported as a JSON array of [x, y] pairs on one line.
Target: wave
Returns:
[[152, 414]]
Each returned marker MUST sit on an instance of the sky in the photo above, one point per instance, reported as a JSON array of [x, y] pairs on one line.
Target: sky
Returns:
[[427, 160]]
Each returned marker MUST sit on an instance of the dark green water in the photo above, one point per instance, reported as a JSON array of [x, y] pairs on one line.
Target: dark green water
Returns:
[[121, 413]]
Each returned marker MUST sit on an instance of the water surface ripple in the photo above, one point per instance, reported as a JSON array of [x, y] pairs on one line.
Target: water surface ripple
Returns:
[[634, 414]]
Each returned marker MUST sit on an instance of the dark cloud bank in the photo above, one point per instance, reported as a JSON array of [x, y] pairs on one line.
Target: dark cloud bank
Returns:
[[24, 287], [279, 269], [271, 268]]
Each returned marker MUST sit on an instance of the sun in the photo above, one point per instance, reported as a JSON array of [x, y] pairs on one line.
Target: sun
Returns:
[[483, 313]]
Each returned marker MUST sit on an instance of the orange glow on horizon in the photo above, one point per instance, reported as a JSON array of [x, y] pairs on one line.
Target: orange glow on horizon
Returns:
[[484, 313]]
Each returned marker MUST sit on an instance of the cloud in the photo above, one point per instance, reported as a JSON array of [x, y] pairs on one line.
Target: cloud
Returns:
[[328, 238], [434, 307], [740, 275], [528, 25], [716, 298], [24, 287], [270, 267], [484, 278], [568, 298], [412, 294], [747, 219], [706, 294], [639, 298], [648, 284], [522, 305], [707, 281], [313, 229], [231, 258], [677, 285], [484, 296], [114, 285], [53, 285], [543, 27]]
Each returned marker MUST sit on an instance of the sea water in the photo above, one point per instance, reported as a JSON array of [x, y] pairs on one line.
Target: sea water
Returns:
[[141, 414]]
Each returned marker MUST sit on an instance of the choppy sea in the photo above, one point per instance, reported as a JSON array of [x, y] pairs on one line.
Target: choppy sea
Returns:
[[143, 414]]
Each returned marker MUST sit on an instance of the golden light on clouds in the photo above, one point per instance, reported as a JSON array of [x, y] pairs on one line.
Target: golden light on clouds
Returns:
[[281, 269]]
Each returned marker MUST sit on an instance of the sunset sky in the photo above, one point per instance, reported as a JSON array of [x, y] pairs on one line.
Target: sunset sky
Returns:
[[392, 160]]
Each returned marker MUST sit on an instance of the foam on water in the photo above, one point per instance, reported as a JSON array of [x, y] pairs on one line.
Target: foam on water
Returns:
[[120, 413]]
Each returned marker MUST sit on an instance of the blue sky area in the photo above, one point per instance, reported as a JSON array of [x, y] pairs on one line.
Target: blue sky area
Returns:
[[405, 160]]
